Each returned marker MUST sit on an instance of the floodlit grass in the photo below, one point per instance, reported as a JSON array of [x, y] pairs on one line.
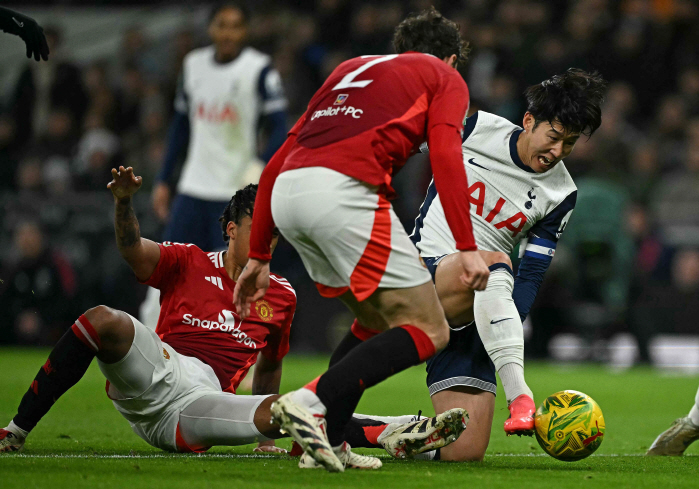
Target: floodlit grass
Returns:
[[84, 442]]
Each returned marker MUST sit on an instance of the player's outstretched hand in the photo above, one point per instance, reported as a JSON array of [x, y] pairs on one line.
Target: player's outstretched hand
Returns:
[[124, 183], [268, 447], [476, 273], [251, 286], [25, 27]]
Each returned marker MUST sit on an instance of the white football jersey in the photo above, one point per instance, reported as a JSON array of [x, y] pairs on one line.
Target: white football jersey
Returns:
[[509, 201], [224, 103]]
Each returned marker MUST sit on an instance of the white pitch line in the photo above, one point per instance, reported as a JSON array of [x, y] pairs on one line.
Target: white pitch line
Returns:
[[272, 457]]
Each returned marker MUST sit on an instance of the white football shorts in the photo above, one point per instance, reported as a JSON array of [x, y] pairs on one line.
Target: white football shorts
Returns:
[[153, 384], [346, 233]]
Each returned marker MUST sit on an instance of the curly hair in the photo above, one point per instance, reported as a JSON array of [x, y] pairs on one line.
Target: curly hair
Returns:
[[241, 204], [573, 98], [430, 32]]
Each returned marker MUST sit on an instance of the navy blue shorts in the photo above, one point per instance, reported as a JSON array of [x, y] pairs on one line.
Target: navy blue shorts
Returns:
[[464, 362], [196, 221]]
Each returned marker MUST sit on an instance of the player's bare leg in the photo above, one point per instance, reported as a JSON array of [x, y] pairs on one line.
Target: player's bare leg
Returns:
[[472, 444], [101, 332], [499, 327]]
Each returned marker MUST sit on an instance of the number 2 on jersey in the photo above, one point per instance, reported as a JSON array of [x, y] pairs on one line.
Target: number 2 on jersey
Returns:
[[348, 80]]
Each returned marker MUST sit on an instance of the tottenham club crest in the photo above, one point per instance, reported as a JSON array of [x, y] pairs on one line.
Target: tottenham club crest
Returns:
[[264, 310]]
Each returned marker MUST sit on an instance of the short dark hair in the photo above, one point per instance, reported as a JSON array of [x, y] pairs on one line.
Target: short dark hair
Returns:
[[573, 98], [235, 4], [241, 204], [430, 32]]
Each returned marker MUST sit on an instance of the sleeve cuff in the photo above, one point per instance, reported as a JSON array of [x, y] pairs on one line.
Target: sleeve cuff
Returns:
[[260, 256], [466, 247]]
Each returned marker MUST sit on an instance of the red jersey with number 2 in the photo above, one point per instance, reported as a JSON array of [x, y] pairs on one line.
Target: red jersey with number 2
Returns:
[[373, 112]]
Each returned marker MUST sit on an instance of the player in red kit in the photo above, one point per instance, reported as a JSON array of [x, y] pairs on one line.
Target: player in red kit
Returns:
[[176, 386], [328, 189]]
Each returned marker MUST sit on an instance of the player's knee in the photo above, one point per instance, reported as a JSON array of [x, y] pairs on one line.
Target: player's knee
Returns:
[[108, 323], [496, 257], [464, 452], [468, 456], [440, 336]]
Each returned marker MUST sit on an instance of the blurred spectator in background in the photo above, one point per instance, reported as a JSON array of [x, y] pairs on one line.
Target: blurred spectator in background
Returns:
[[663, 307], [38, 285]]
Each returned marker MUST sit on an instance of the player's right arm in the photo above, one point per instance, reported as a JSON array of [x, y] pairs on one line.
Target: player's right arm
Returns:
[[141, 254]]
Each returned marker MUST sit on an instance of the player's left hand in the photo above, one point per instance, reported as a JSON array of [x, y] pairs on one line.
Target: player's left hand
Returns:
[[251, 286], [268, 447]]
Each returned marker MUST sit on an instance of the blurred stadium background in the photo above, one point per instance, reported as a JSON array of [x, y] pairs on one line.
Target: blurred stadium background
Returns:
[[624, 286]]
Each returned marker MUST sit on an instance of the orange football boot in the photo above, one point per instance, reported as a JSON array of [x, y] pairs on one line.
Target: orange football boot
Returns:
[[521, 420]]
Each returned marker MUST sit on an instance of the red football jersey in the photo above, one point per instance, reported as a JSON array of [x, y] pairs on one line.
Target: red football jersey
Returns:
[[198, 318], [373, 112]]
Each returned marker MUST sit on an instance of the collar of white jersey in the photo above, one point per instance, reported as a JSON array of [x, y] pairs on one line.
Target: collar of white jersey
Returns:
[[513, 152]]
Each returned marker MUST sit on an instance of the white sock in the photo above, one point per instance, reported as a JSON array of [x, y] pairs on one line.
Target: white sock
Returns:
[[12, 427], [308, 399], [513, 383], [500, 329], [388, 419], [694, 412], [426, 455]]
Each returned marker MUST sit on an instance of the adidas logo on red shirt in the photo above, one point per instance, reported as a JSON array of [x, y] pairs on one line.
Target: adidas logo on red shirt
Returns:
[[216, 281]]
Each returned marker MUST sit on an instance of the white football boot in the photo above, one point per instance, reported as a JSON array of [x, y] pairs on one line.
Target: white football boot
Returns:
[[307, 430], [409, 439], [9, 442], [344, 453], [675, 440]]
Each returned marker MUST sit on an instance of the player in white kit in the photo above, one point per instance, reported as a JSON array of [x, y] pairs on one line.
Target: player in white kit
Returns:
[[519, 191], [225, 91]]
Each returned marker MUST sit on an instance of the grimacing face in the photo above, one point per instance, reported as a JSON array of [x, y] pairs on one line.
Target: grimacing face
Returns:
[[543, 146], [228, 30], [239, 240]]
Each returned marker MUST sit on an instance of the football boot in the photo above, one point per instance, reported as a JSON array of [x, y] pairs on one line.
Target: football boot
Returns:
[[408, 439], [9, 442], [307, 430], [521, 420], [675, 440], [344, 453]]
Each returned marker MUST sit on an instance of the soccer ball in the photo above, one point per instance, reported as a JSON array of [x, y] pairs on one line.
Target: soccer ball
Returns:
[[569, 425]]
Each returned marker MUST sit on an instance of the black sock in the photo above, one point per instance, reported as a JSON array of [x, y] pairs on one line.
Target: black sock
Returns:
[[363, 432], [348, 343], [376, 359], [66, 365]]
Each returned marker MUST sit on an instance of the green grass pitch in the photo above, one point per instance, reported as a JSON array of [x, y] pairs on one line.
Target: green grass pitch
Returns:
[[84, 442]]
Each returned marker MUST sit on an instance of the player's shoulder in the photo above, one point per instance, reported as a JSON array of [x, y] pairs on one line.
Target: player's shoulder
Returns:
[[254, 60], [564, 181], [253, 54], [279, 286], [198, 56], [483, 120]]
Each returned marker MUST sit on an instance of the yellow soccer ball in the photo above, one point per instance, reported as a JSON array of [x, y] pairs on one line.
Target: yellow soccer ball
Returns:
[[569, 425]]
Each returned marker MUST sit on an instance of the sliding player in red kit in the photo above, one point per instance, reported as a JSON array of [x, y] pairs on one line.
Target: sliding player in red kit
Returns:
[[327, 191]]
